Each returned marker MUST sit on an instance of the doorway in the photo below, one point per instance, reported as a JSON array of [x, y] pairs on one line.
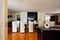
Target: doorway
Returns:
[[33, 17]]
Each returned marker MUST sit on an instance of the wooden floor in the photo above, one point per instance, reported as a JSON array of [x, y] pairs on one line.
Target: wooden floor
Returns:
[[22, 36]]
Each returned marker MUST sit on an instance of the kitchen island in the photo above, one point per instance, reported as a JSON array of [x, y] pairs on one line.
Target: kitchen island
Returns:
[[52, 33]]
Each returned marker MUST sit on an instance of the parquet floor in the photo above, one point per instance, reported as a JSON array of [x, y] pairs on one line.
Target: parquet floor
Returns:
[[22, 36]]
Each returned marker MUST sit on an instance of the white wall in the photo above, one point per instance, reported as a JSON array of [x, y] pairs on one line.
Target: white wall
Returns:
[[14, 16], [23, 17], [17, 13], [41, 18], [47, 17]]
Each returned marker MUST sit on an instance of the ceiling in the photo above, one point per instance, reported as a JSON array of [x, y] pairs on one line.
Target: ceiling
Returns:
[[49, 6]]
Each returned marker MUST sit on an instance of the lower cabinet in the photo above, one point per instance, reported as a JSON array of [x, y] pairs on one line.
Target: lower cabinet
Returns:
[[58, 35], [51, 35], [48, 34], [39, 37]]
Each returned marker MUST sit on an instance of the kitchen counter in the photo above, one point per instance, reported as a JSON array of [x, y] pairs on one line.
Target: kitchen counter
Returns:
[[52, 33], [51, 28]]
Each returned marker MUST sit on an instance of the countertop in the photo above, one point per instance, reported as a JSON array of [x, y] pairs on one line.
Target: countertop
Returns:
[[50, 29]]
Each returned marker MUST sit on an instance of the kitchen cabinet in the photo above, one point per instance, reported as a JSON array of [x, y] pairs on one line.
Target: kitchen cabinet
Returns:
[[49, 34]]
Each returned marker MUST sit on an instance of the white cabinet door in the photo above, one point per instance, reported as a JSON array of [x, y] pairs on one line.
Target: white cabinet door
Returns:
[[30, 26], [14, 26]]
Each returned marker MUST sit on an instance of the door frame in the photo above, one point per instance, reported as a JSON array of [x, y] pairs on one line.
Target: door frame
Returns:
[[4, 20]]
